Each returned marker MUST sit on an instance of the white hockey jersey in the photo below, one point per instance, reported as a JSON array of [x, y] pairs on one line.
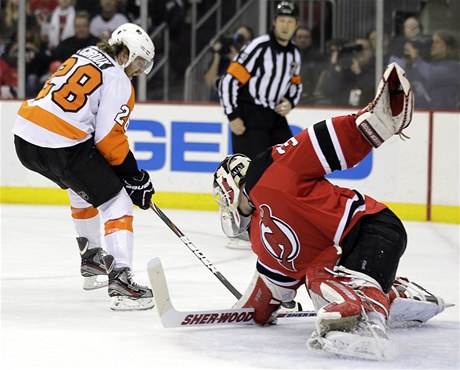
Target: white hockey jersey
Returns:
[[89, 95]]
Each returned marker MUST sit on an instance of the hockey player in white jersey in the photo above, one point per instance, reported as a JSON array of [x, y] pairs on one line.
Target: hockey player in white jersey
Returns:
[[73, 133]]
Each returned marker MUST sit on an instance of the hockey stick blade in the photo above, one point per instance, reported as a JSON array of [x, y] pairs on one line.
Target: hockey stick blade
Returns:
[[171, 318]]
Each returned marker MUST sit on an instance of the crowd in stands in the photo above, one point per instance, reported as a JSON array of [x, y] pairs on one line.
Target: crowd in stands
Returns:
[[55, 29], [342, 75]]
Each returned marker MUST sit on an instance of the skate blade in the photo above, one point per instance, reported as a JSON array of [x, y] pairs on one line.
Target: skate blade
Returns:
[[348, 345], [127, 304], [92, 282]]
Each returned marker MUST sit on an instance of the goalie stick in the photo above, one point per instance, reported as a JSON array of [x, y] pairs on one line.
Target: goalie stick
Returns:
[[171, 318]]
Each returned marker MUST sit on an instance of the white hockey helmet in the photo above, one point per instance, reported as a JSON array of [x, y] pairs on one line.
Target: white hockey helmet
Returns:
[[229, 176], [138, 43]]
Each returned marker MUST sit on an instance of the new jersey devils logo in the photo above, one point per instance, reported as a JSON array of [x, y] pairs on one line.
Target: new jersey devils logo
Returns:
[[278, 238]]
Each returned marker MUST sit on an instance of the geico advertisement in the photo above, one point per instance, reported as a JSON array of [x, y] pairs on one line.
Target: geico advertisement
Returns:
[[181, 146]]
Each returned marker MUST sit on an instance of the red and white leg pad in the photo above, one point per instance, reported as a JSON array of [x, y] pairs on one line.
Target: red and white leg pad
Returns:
[[265, 297], [340, 295], [351, 313]]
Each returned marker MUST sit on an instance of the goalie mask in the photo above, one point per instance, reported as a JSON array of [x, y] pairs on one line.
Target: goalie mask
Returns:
[[228, 178]]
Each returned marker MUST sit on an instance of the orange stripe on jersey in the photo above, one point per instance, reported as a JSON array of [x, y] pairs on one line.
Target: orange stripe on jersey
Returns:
[[239, 72], [114, 147], [296, 80], [83, 213], [122, 223], [50, 121]]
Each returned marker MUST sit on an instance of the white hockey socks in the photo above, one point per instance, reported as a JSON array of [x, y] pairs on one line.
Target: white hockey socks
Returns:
[[87, 224], [120, 246]]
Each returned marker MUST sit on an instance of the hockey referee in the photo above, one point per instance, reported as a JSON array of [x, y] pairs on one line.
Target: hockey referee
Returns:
[[262, 85]]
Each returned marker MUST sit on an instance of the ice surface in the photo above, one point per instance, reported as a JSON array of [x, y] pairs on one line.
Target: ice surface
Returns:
[[49, 322]]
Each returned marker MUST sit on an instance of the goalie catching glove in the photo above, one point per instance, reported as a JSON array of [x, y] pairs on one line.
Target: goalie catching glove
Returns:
[[140, 189], [391, 110]]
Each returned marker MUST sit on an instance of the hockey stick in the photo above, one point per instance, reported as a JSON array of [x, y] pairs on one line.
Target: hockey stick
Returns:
[[195, 250], [171, 318]]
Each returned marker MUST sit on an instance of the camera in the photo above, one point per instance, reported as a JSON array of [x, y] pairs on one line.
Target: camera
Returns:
[[236, 40], [350, 48], [346, 51]]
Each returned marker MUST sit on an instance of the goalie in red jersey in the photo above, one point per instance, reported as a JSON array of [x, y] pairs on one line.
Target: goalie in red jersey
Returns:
[[342, 245]]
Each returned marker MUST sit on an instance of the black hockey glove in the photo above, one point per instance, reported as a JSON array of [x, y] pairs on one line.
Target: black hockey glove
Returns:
[[140, 189]]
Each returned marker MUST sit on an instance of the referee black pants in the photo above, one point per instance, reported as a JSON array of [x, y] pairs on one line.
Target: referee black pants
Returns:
[[264, 128]]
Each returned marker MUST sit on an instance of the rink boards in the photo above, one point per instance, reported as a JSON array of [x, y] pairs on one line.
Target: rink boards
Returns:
[[180, 145]]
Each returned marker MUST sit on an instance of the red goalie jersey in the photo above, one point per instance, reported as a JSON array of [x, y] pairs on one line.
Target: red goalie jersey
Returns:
[[298, 212]]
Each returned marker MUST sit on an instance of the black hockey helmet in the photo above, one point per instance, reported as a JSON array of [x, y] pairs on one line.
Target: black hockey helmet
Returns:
[[288, 9]]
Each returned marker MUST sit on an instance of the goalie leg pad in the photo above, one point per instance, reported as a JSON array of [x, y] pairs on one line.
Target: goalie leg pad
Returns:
[[340, 295], [337, 305]]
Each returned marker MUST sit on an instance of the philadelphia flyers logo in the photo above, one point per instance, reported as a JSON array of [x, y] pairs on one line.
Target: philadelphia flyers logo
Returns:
[[278, 238]]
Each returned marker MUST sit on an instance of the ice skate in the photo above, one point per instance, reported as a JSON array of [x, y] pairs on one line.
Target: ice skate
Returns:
[[92, 267], [125, 293]]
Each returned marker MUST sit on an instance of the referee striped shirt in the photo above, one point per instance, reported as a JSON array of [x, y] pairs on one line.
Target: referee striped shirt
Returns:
[[262, 73]]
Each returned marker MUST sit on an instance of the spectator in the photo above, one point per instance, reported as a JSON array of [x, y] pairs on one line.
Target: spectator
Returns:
[[37, 59], [88, 6], [360, 78], [436, 83], [329, 89], [8, 80], [103, 24], [42, 10], [42, 7], [81, 39], [61, 23], [412, 32], [223, 52], [349, 79], [9, 21], [312, 61], [372, 37]]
